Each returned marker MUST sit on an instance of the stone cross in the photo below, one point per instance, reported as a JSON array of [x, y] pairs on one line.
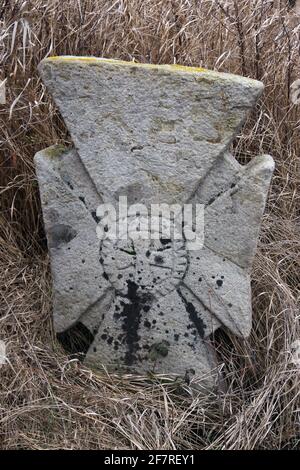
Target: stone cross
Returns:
[[155, 134]]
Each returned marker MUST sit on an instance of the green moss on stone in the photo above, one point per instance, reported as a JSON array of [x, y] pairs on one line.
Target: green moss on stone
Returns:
[[55, 151]]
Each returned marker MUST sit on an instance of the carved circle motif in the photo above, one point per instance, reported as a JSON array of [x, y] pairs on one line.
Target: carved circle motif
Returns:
[[154, 263]]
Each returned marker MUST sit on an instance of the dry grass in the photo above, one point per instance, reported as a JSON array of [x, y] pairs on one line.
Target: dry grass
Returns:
[[48, 400]]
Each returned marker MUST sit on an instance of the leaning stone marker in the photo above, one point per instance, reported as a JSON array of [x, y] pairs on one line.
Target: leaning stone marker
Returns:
[[155, 134]]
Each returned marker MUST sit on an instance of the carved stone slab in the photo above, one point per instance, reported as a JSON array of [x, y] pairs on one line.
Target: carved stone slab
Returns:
[[155, 134]]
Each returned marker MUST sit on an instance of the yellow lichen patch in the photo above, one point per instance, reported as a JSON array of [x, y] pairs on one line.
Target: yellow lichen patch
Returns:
[[99, 60], [185, 68], [55, 151]]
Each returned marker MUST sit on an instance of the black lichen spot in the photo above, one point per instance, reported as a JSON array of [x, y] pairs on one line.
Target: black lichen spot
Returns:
[[70, 185], [146, 308], [104, 337], [165, 241], [95, 217], [229, 305], [159, 259], [147, 324], [129, 252], [176, 337], [105, 276], [82, 199], [132, 316], [148, 253], [120, 276], [136, 147], [193, 315]]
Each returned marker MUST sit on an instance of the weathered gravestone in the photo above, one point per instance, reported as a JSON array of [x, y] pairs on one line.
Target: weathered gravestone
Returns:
[[155, 134]]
